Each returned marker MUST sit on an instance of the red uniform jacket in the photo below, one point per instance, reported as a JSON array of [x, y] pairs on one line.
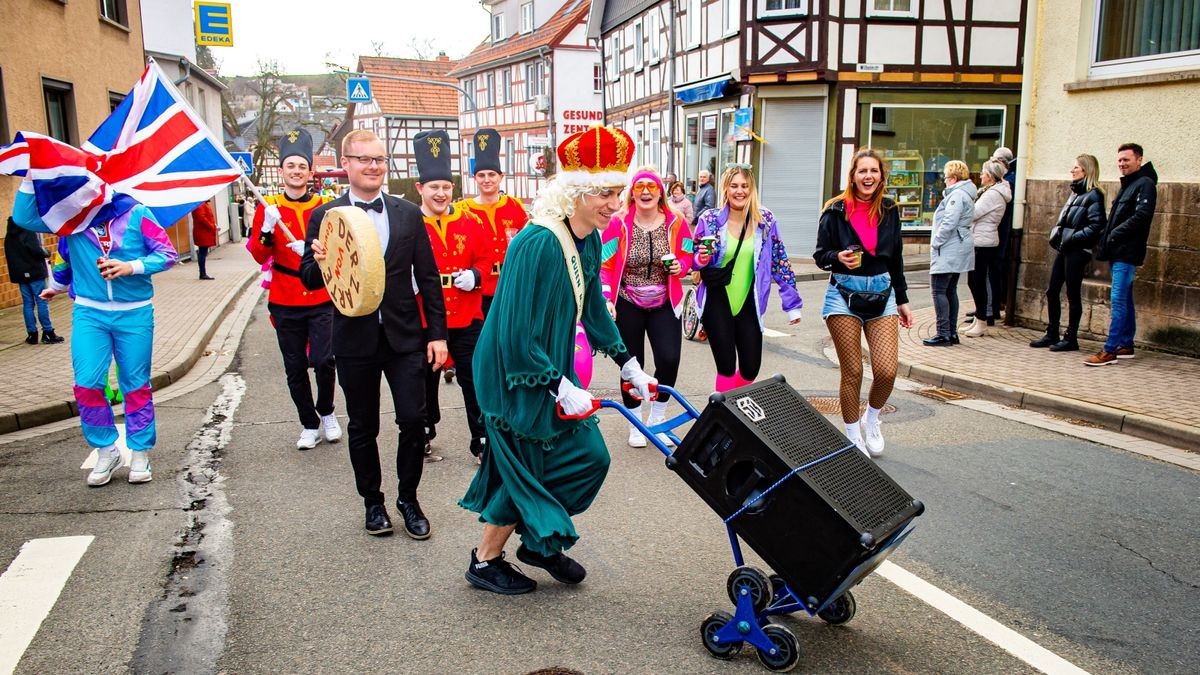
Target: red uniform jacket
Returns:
[[286, 288], [501, 222], [204, 226], [460, 242]]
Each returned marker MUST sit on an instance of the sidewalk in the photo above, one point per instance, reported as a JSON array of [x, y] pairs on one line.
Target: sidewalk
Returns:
[[38, 378], [1153, 396]]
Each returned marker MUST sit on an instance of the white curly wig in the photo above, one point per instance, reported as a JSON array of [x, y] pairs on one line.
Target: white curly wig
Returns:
[[556, 201]]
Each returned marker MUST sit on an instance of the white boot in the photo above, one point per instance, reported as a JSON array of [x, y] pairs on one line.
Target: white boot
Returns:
[[636, 439], [658, 413], [977, 329]]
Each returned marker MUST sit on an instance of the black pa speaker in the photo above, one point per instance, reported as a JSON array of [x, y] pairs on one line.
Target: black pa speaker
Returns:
[[816, 526]]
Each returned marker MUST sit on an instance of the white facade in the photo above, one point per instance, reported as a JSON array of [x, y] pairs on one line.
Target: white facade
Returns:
[[168, 27]]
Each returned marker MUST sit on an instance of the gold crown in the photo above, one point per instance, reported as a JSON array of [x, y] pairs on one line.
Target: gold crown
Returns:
[[599, 149]]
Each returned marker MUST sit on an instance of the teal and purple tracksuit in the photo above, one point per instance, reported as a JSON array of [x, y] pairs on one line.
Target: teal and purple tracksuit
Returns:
[[112, 319]]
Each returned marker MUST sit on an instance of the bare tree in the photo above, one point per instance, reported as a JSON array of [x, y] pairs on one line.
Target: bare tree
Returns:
[[272, 93], [422, 49]]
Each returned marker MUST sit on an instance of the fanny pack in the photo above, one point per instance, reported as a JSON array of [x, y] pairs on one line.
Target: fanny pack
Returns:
[[864, 304], [647, 297], [714, 276]]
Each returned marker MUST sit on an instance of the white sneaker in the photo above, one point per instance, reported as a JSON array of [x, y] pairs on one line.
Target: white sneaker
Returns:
[[107, 460], [874, 439], [662, 437], [636, 439], [329, 425], [309, 439], [139, 467]]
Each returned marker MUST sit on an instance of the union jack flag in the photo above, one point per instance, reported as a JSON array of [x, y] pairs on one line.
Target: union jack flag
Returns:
[[153, 149]]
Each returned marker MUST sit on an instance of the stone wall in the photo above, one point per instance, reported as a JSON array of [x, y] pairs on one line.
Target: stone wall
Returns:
[[1166, 288]]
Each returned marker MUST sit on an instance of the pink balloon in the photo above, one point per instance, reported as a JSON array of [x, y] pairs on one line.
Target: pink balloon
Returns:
[[583, 357]]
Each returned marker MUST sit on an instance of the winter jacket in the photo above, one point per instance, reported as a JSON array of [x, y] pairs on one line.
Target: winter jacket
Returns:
[[951, 248], [835, 234], [771, 262], [615, 252], [706, 198], [134, 237], [25, 254], [204, 226], [1081, 220], [1124, 238], [990, 205], [683, 206]]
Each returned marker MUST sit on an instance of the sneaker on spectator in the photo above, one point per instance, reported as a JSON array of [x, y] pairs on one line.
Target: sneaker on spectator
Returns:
[[309, 439], [107, 460], [498, 576], [139, 467], [329, 425], [1102, 359], [874, 438]]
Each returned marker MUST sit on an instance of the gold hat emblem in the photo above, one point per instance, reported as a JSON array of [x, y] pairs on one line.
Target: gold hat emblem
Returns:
[[293, 135], [435, 146], [483, 141]]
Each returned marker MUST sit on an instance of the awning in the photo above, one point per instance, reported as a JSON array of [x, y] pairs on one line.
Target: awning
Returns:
[[704, 90]]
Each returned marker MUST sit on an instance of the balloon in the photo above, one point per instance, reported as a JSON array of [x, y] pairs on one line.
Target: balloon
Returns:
[[583, 357]]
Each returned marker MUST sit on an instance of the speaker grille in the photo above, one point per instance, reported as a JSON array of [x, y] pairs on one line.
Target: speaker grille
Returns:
[[795, 429], [863, 492]]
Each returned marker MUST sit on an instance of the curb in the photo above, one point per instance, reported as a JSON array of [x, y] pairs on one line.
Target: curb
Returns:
[[54, 411], [1113, 419]]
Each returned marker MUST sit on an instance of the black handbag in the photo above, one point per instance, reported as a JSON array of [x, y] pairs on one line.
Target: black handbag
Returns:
[[865, 305], [714, 276]]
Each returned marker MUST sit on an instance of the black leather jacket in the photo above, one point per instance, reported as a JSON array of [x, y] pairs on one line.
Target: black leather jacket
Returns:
[[1082, 219], [1124, 239]]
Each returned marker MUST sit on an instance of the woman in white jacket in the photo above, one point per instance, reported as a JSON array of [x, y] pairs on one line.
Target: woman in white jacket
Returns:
[[993, 198]]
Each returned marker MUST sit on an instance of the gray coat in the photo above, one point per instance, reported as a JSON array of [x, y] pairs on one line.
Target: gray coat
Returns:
[[951, 248]]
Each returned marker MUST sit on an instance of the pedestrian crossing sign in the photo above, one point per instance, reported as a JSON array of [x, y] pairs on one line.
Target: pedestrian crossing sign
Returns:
[[214, 24], [245, 161], [358, 90]]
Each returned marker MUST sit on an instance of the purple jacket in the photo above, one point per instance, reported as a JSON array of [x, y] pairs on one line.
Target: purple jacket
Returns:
[[771, 262]]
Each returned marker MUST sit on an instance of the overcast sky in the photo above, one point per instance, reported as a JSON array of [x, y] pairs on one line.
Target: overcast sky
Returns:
[[303, 34]]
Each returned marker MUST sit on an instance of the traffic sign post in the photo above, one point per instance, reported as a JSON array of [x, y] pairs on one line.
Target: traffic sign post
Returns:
[[358, 90], [244, 160]]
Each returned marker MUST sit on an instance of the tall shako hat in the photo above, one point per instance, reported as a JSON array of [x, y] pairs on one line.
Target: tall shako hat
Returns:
[[433, 155], [296, 142], [599, 156], [487, 150]]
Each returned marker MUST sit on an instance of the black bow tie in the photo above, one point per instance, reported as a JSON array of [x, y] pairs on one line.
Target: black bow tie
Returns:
[[376, 205]]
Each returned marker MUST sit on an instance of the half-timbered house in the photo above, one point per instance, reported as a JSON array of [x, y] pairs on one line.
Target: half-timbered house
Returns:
[[536, 80]]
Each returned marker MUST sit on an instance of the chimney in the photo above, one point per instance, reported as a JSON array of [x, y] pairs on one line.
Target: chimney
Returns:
[[442, 57]]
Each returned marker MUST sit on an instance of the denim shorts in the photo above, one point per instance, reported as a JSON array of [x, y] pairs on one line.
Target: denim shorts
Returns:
[[836, 304]]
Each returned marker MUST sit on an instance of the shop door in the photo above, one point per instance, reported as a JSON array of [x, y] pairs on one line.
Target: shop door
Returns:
[[793, 167]]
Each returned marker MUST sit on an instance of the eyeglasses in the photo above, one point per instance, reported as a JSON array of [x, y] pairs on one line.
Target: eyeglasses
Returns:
[[740, 167], [368, 161], [645, 186]]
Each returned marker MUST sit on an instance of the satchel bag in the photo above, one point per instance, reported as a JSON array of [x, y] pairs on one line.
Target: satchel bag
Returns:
[[866, 305], [714, 276]]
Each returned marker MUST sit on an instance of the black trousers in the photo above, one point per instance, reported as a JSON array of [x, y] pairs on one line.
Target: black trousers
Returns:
[[487, 304], [1068, 268], [202, 260], [305, 335], [736, 341], [985, 295], [998, 280], [461, 344], [665, 331], [359, 377]]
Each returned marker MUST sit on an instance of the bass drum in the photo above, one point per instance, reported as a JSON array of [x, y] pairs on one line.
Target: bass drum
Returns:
[[353, 267]]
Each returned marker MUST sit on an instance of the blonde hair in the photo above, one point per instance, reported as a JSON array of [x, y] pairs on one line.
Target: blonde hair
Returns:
[[958, 169], [662, 194], [848, 196], [753, 210], [1091, 170], [357, 136]]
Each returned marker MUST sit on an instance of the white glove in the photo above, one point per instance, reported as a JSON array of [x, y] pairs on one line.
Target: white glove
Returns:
[[575, 401], [464, 280], [271, 216], [632, 373], [297, 247]]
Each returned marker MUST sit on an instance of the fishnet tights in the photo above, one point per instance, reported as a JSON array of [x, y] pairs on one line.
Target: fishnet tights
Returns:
[[883, 338]]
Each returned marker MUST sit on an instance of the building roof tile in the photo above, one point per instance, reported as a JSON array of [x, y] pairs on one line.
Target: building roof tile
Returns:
[[396, 97], [548, 34]]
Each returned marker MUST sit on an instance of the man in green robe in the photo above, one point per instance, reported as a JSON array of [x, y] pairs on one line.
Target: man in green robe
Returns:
[[541, 468]]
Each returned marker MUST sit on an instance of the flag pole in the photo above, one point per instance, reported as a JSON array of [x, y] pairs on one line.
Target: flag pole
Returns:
[[261, 200]]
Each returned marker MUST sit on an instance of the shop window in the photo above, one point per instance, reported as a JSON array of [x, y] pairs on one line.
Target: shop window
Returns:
[[917, 141], [768, 8], [691, 147], [59, 98], [1133, 37], [903, 9]]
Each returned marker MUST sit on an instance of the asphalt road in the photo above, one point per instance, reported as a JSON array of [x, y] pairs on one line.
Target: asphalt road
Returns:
[[1086, 550]]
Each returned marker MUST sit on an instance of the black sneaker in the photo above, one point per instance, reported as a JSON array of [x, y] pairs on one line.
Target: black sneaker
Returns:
[[32, 338], [1047, 340], [559, 566], [498, 576], [49, 337]]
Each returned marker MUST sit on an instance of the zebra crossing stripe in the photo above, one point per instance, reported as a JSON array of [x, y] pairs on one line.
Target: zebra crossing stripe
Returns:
[[30, 587]]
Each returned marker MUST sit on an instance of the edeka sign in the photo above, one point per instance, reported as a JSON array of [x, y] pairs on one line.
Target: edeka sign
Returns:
[[572, 121], [214, 24]]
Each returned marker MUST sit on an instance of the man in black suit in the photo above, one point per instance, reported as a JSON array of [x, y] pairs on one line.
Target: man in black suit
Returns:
[[390, 342]]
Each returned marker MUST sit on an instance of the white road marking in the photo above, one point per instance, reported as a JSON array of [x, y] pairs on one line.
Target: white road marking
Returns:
[[126, 455], [771, 332], [991, 630], [30, 587]]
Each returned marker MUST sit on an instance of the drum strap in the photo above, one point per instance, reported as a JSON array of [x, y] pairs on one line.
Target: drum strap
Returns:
[[571, 259]]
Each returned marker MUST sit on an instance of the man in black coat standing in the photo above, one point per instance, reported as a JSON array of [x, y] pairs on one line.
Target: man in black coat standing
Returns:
[[391, 341], [27, 268]]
